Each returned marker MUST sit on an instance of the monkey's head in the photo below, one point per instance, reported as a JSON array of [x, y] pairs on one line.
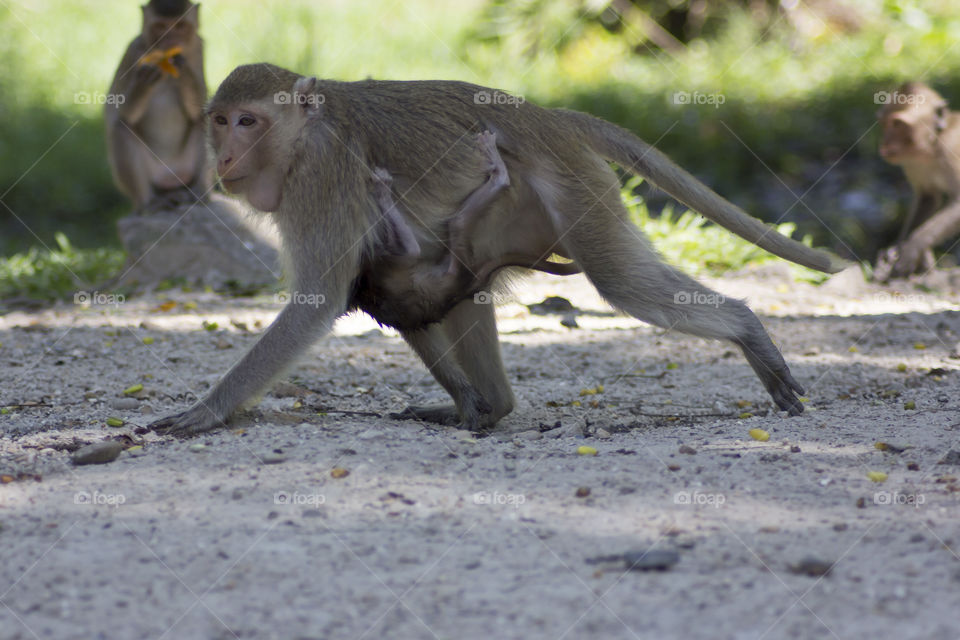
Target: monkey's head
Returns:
[[911, 122], [170, 23], [254, 120]]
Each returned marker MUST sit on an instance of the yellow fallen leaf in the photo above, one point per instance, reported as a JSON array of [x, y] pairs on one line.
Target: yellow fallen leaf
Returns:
[[919, 346], [148, 340], [759, 434], [745, 415], [339, 472], [189, 306], [876, 476], [853, 348], [166, 306], [586, 451], [134, 389], [114, 422], [901, 367]]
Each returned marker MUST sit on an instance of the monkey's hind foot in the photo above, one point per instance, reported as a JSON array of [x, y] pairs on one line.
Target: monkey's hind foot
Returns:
[[194, 421], [478, 418]]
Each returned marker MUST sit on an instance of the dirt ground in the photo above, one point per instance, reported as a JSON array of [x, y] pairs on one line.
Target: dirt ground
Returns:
[[315, 515]]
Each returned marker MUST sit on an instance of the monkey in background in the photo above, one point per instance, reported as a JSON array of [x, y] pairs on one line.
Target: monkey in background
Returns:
[[922, 136], [156, 144], [308, 163]]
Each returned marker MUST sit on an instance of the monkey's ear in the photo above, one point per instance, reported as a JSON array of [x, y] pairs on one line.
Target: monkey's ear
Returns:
[[305, 90]]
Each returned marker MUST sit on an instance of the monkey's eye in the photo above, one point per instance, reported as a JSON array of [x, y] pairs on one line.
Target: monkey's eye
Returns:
[[221, 120], [246, 121]]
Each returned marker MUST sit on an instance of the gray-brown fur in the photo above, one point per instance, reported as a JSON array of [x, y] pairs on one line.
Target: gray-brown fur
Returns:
[[154, 121], [400, 291], [921, 135], [312, 172]]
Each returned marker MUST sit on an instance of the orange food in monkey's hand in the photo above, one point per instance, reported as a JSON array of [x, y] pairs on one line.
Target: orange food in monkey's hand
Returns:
[[164, 60]]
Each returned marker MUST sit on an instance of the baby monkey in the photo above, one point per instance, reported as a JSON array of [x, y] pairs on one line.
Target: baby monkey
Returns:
[[459, 271]]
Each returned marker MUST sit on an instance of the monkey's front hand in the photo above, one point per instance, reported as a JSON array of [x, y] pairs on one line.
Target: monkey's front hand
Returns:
[[772, 370], [195, 420], [898, 262]]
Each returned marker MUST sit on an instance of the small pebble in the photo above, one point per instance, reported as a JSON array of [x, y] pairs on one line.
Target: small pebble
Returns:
[[690, 451], [273, 458], [583, 492], [654, 560], [532, 434], [124, 404], [197, 448], [811, 566], [97, 453]]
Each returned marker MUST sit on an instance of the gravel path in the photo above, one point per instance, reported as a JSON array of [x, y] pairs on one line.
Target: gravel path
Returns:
[[316, 516]]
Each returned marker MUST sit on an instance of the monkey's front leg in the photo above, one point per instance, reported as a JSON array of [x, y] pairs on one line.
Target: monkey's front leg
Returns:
[[916, 253], [283, 341], [400, 240]]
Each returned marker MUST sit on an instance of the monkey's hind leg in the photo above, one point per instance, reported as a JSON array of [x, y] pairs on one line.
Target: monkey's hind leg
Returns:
[[469, 334], [623, 266], [463, 221], [433, 348]]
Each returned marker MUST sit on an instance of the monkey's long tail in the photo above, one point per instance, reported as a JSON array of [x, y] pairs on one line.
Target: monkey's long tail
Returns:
[[633, 154]]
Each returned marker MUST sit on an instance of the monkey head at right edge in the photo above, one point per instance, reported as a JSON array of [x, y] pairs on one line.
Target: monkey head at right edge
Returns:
[[376, 187]]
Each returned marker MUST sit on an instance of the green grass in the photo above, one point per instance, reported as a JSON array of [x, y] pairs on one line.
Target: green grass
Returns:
[[689, 241], [57, 273]]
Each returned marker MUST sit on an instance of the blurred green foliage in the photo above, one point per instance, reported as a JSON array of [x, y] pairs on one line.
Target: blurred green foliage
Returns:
[[48, 274], [797, 89], [690, 242]]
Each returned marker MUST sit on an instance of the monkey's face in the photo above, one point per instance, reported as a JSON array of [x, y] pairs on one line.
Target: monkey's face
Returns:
[[166, 32], [255, 140], [249, 154], [909, 135]]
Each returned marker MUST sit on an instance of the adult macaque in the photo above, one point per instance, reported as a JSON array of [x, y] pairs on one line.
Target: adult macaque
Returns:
[[308, 162], [155, 138], [922, 136]]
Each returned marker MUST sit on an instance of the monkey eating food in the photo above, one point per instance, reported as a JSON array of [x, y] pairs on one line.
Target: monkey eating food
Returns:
[[307, 161], [922, 136], [155, 135]]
